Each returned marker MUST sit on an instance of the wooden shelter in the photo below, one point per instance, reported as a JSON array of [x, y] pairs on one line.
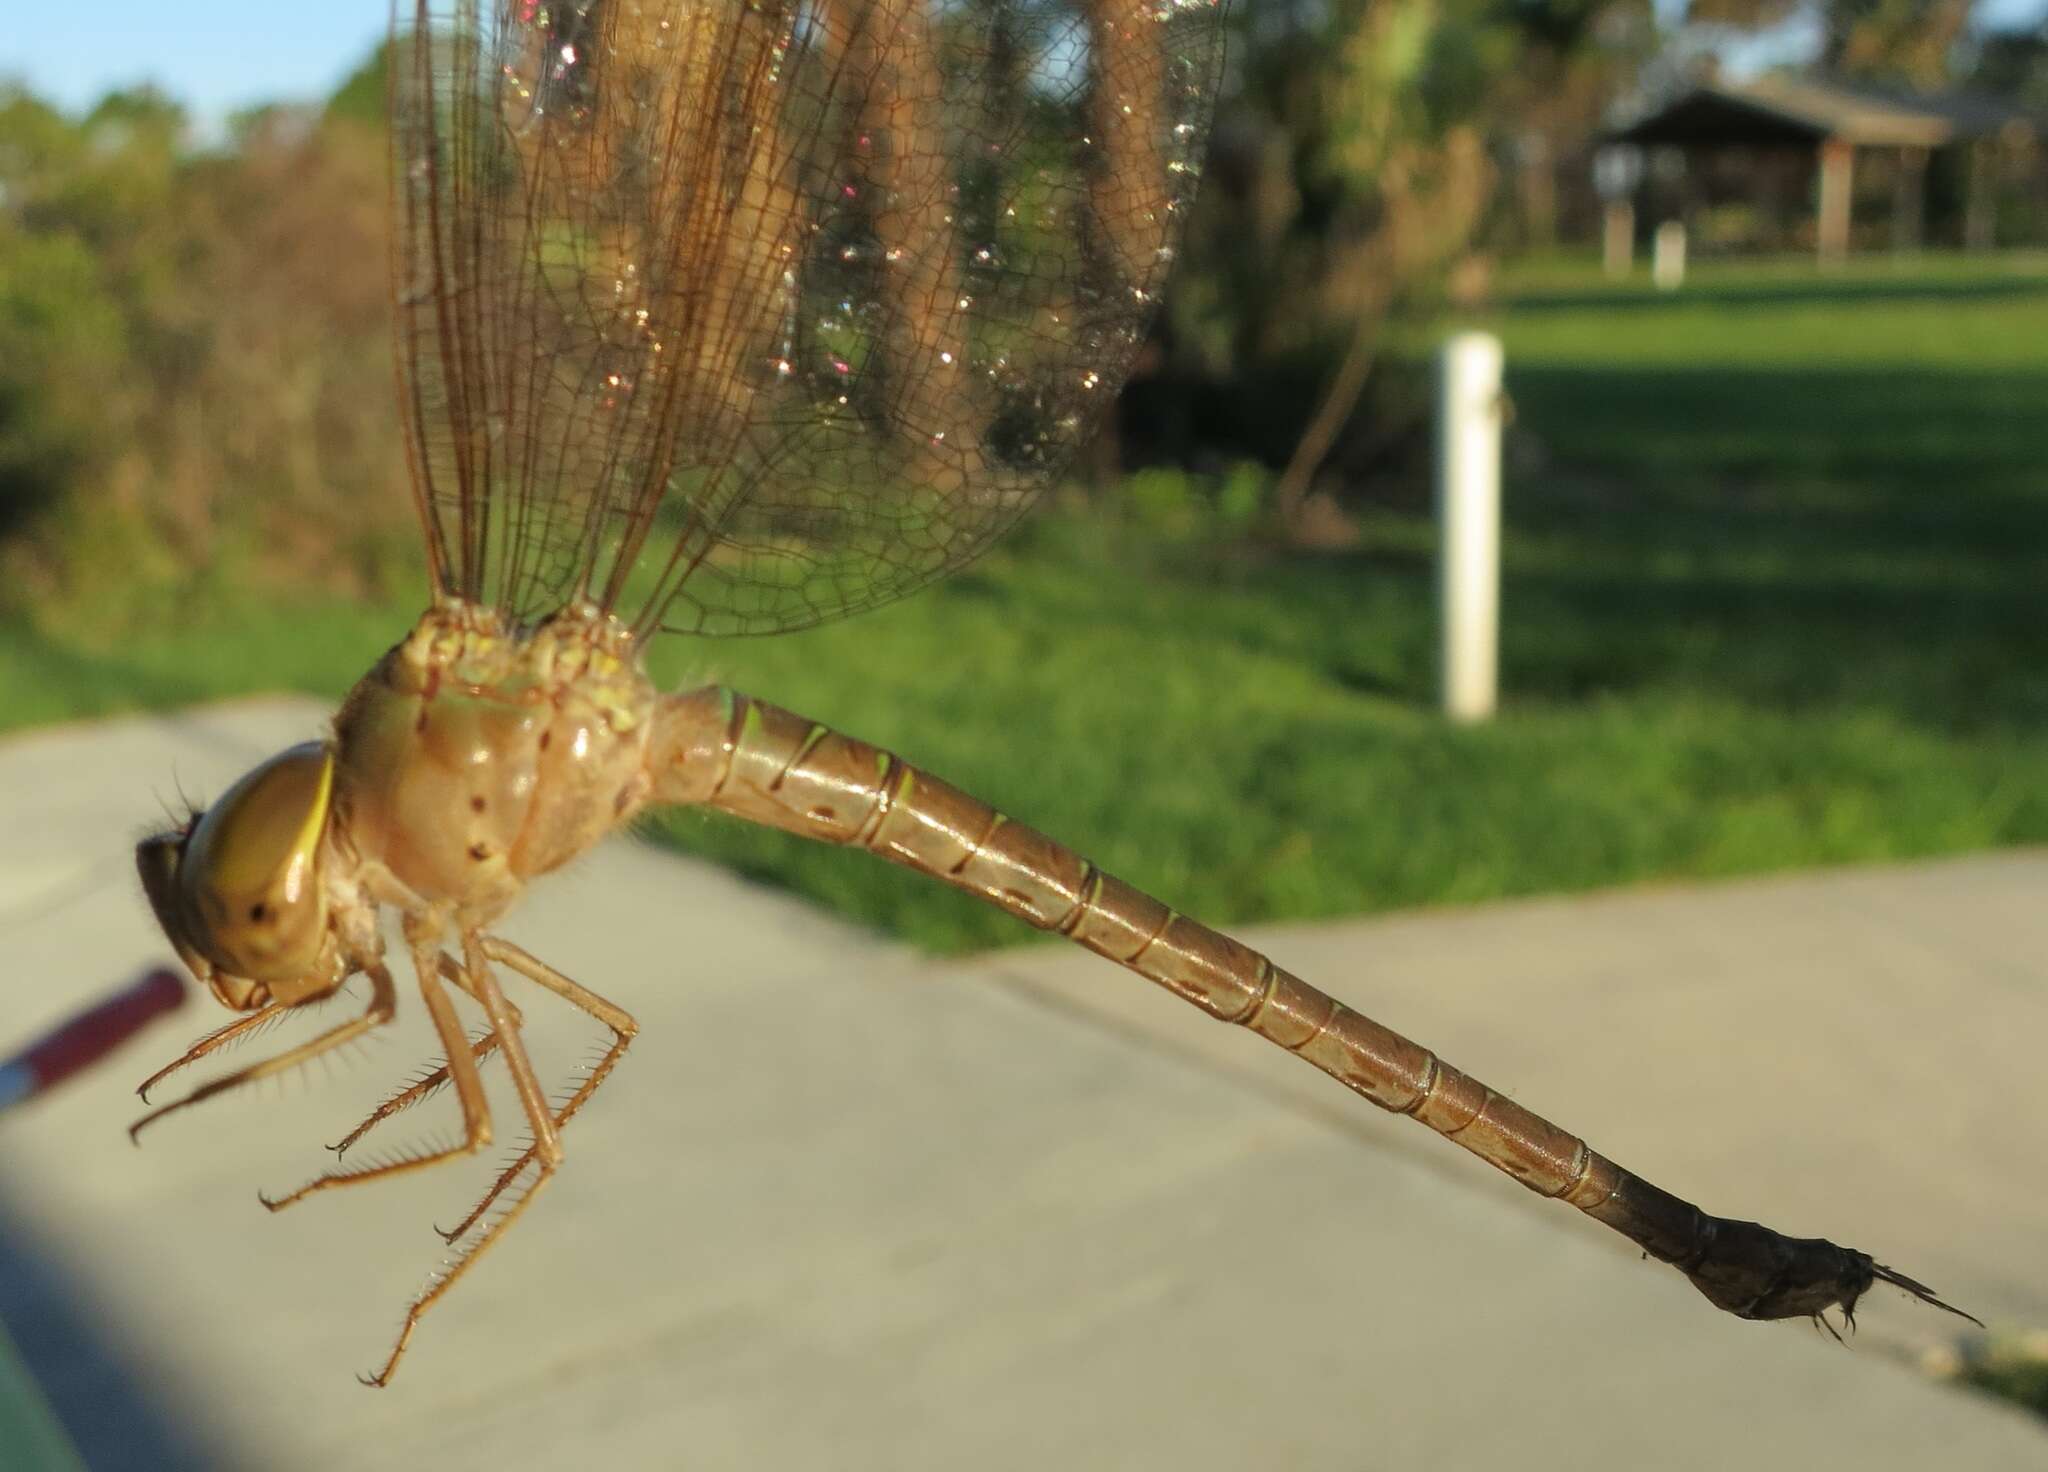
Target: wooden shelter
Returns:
[[1833, 123]]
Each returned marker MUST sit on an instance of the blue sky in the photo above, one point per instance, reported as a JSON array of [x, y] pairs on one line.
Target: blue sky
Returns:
[[218, 55], [1799, 40], [213, 55]]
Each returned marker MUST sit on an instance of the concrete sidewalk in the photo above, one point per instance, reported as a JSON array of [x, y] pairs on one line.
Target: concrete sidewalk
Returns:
[[842, 1207]]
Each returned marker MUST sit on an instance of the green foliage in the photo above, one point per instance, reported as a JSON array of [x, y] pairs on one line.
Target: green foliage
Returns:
[[1357, 179], [61, 347], [1911, 42], [1172, 505], [194, 359], [360, 99], [2014, 65]]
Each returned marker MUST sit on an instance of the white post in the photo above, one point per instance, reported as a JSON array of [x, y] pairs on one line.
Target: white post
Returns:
[[1468, 423], [1667, 256]]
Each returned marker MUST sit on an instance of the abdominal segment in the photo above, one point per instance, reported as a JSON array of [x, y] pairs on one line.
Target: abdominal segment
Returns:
[[755, 761]]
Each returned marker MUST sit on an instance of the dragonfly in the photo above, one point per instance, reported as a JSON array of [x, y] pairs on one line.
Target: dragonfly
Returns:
[[729, 317]]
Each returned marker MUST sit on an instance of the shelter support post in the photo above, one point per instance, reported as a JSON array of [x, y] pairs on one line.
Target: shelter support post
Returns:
[[1837, 180], [1909, 200], [1618, 238], [1980, 201]]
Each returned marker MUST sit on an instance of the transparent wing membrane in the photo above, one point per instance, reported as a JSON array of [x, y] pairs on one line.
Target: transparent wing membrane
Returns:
[[735, 316]]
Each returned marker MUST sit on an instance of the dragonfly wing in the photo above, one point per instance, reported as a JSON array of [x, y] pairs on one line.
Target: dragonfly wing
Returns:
[[737, 315]]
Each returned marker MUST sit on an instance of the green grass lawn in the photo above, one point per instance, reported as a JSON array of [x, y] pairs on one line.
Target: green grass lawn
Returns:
[[1776, 579], [2011, 1372]]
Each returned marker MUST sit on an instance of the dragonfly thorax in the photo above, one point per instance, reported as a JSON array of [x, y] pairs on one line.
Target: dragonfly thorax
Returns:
[[475, 757]]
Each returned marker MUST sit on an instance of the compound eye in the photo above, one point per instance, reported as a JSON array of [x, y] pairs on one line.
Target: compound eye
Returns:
[[157, 859], [248, 879]]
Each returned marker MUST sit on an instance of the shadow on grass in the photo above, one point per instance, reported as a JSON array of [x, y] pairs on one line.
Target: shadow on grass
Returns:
[[1890, 436], [95, 1388], [1858, 539], [1816, 291], [2022, 1381], [1869, 538]]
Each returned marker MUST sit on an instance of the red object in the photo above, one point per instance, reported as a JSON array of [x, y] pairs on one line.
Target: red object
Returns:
[[89, 1036]]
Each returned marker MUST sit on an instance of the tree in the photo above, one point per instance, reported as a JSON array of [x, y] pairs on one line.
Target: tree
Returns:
[[2014, 65], [1356, 173], [360, 98], [1908, 42], [194, 353]]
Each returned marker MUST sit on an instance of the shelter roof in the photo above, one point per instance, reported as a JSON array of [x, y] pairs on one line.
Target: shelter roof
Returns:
[[1787, 110]]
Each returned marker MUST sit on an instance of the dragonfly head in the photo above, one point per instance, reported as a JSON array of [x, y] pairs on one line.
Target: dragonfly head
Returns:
[[238, 892]]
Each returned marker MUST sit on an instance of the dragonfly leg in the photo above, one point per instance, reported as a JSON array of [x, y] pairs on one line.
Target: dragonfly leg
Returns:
[[431, 1083], [219, 1038], [453, 1270], [383, 1004], [624, 1030], [421, 1089], [469, 1088], [545, 1151]]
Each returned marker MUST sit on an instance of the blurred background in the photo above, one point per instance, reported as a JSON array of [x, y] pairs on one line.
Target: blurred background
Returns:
[[1774, 549], [1775, 558]]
